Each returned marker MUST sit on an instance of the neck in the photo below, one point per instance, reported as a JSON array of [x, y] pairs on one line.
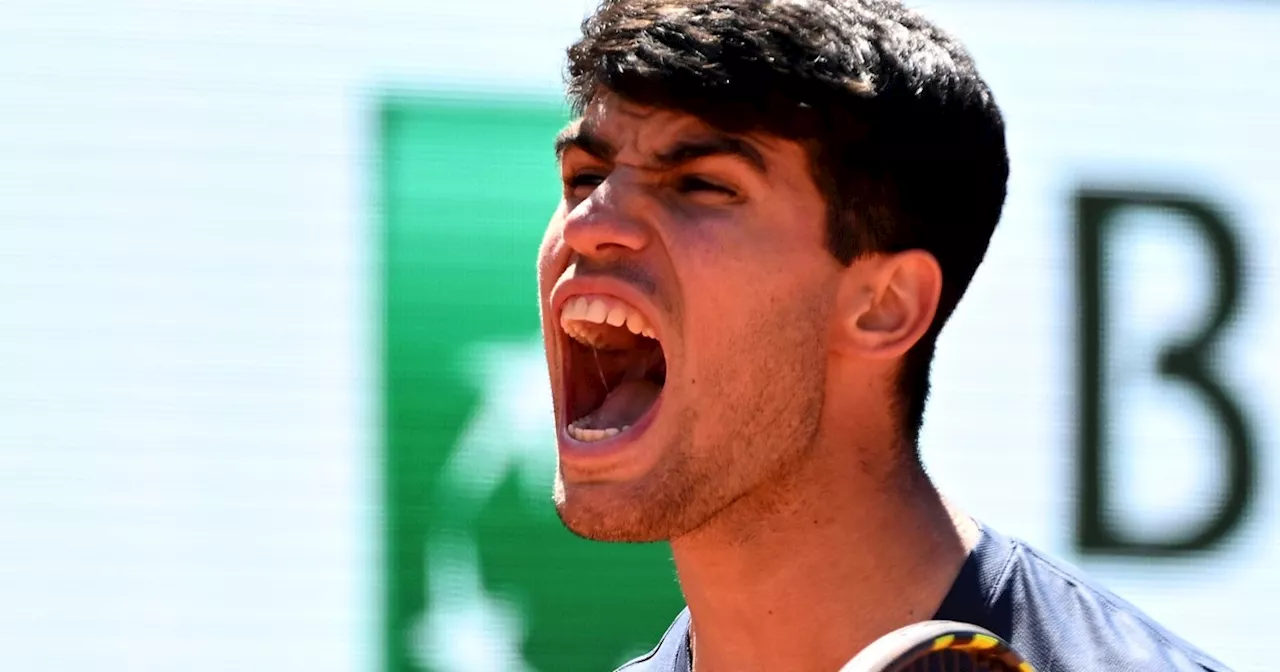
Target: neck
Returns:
[[803, 574]]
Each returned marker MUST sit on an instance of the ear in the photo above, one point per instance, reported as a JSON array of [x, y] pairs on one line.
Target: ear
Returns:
[[886, 303]]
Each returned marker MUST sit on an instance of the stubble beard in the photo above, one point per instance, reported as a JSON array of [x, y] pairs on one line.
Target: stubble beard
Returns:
[[742, 471]]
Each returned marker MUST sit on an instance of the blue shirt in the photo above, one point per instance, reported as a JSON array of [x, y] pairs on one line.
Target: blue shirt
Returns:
[[1057, 619]]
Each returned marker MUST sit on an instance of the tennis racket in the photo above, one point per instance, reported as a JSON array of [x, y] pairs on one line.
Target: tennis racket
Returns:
[[938, 646]]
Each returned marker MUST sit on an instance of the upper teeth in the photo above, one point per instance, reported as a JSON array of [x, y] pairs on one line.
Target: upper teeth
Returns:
[[602, 310]]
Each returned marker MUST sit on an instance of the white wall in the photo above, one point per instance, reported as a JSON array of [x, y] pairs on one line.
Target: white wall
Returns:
[[187, 368]]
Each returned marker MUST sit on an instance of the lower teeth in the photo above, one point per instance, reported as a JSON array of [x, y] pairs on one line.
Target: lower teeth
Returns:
[[584, 434]]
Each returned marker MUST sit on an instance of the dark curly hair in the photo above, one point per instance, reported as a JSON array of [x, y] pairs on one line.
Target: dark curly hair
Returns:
[[905, 140]]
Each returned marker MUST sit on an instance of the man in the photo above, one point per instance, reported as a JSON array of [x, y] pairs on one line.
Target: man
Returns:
[[770, 210]]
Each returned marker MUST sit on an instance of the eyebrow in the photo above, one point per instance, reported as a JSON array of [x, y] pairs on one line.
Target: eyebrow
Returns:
[[581, 137], [717, 144]]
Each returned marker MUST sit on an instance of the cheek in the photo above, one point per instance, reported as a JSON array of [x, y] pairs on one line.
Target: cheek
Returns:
[[755, 290], [753, 311], [761, 264], [733, 269], [550, 250]]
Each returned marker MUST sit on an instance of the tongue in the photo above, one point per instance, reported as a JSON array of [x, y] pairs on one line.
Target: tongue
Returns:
[[625, 405]]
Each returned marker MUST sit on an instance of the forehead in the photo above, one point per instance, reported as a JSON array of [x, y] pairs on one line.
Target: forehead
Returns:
[[640, 129], [636, 133]]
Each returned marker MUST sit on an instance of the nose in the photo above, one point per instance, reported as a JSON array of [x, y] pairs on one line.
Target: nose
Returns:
[[609, 222]]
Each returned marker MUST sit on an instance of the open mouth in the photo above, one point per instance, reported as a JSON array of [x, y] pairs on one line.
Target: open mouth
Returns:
[[615, 366]]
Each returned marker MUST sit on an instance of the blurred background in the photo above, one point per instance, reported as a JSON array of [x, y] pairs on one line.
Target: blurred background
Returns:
[[271, 394]]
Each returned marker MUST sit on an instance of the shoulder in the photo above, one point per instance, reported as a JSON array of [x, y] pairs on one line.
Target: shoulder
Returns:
[[1065, 622], [670, 655]]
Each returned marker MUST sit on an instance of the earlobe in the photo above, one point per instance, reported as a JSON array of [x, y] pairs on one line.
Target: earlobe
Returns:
[[888, 303]]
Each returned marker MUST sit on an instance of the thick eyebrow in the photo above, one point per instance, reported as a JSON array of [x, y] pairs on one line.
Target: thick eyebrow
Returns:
[[716, 145], [682, 153], [584, 139]]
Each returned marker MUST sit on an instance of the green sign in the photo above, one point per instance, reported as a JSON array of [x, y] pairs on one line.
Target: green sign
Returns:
[[479, 572]]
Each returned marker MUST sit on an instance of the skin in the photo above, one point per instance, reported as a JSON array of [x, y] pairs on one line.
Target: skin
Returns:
[[801, 525]]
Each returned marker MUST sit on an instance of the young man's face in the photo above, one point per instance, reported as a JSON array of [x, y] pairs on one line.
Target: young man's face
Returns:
[[686, 297]]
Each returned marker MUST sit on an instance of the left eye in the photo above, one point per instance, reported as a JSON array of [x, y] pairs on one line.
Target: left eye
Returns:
[[697, 184], [589, 180]]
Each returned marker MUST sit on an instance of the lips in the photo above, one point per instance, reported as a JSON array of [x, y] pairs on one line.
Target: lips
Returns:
[[616, 370], [613, 365]]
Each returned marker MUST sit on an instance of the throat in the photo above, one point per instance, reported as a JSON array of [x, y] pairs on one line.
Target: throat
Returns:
[[813, 584], [614, 389]]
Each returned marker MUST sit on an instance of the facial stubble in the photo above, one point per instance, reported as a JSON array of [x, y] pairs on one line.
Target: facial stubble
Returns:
[[753, 420]]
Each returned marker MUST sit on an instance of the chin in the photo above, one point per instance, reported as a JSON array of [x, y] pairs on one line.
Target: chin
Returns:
[[612, 511]]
